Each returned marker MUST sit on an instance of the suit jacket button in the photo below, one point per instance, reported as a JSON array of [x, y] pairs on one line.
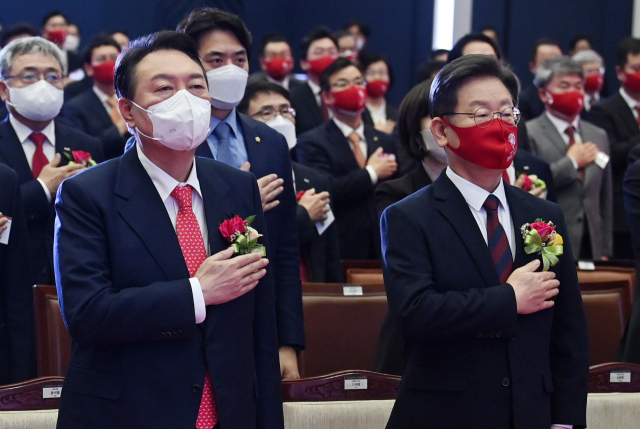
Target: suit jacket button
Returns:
[[196, 389], [480, 335], [492, 335], [506, 382], [498, 334]]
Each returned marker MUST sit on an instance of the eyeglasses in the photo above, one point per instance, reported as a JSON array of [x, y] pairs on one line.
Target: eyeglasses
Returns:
[[268, 113], [483, 117], [28, 77], [345, 83]]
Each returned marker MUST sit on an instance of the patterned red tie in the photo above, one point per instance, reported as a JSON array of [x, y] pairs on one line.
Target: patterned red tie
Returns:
[[194, 252], [39, 158], [571, 132], [497, 240]]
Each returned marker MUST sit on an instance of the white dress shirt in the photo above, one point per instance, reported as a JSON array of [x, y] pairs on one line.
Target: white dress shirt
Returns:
[[165, 184], [103, 98], [562, 125], [284, 83], [347, 130], [48, 147], [316, 92], [630, 102], [378, 114], [590, 100]]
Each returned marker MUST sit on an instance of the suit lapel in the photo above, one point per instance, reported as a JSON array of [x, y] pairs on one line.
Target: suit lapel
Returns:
[[373, 142], [554, 135], [252, 144], [340, 146], [521, 212], [626, 115], [97, 110], [13, 152]]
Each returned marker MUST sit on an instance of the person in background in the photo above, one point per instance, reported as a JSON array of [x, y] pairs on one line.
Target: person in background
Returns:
[[530, 104], [361, 30], [95, 111], [73, 39], [379, 78], [430, 69], [593, 68], [54, 29], [319, 249], [578, 153], [16, 32], [491, 33], [317, 51], [580, 43], [439, 55], [474, 44], [355, 157], [122, 38], [347, 45], [224, 44], [276, 62]]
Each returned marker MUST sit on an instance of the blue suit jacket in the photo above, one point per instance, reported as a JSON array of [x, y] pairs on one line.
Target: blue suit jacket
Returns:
[[467, 348], [268, 154], [139, 359], [39, 212]]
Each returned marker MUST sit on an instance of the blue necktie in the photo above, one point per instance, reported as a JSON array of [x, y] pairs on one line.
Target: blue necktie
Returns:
[[222, 132], [497, 240]]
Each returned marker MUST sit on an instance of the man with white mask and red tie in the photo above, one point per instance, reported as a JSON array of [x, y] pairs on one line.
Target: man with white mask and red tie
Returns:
[[172, 327], [34, 143]]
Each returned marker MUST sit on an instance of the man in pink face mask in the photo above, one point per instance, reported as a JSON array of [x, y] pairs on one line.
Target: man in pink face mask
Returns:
[[578, 153]]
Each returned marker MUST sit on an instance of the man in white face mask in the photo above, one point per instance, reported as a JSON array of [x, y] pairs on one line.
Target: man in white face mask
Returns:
[[34, 143], [148, 288], [224, 44]]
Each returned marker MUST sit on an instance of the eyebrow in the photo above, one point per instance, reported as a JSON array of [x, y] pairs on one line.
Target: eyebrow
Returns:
[[482, 103], [31, 68], [219, 53], [170, 76]]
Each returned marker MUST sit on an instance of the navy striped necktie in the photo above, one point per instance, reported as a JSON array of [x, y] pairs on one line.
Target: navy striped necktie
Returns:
[[497, 240]]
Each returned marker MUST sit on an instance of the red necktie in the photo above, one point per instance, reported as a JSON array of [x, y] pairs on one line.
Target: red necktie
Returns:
[[354, 138], [570, 131], [497, 240], [194, 252], [39, 158]]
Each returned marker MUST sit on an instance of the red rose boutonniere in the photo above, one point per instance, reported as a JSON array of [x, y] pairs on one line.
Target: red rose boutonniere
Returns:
[[541, 237], [80, 157], [242, 237]]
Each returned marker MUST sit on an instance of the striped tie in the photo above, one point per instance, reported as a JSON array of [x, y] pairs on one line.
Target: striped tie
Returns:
[[497, 240]]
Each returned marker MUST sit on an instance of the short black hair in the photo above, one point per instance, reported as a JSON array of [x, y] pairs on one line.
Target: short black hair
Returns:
[[489, 28], [124, 79], [577, 38], [101, 40], [339, 64], [427, 70], [456, 51], [17, 30], [414, 107], [368, 58], [342, 33], [628, 45], [207, 19], [363, 27], [438, 52], [112, 32], [444, 90], [257, 88], [51, 14], [316, 34], [541, 42], [271, 38]]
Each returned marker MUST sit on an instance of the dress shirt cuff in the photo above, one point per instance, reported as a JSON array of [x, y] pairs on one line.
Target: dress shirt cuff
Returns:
[[198, 300], [372, 174], [573, 161], [46, 190], [564, 426]]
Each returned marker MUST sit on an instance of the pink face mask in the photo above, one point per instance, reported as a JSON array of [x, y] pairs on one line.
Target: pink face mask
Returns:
[[568, 103]]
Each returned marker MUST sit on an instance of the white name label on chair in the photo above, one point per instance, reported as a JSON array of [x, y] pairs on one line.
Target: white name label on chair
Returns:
[[352, 290], [586, 265], [620, 377], [51, 392], [355, 383]]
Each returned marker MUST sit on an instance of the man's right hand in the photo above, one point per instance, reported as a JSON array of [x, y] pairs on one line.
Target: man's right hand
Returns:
[[52, 175], [384, 166], [223, 279], [533, 290], [270, 187], [317, 205], [583, 153]]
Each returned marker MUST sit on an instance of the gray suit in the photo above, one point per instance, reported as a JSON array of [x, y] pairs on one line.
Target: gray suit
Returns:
[[592, 199]]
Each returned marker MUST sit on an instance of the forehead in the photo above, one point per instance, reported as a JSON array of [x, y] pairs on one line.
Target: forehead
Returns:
[[592, 65], [167, 62], [219, 40], [350, 72], [483, 91], [347, 39], [277, 46], [57, 20], [477, 47], [268, 99], [548, 51], [322, 44], [565, 78], [37, 59], [105, 50], [378, 65]]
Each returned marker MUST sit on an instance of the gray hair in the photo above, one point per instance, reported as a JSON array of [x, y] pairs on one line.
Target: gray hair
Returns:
[[29, 45], [588, 56], [556, 66]]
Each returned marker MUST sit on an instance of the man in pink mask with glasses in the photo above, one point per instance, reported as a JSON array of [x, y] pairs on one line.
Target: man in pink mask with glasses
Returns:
[[578, 153], [490, 340]]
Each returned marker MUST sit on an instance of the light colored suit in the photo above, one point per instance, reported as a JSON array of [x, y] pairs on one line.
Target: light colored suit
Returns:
[[577, 199]]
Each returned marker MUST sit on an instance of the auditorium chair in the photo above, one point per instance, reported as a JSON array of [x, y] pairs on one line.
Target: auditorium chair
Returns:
[[607, 272], [53, 343], [356, 263], [605, 320], [31, 404], [614, 396], [363, 276]]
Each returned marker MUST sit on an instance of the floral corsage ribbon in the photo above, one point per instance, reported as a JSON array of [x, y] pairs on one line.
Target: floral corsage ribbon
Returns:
[[541, 237], [80, 157], [242, 237]]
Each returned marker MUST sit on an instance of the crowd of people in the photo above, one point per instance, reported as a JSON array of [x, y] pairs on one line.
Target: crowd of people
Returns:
[[329, 155]]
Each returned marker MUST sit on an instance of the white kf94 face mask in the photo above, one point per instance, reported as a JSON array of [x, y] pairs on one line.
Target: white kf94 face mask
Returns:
[[39, 101], [227, 85], [181, 122], [285, 127]]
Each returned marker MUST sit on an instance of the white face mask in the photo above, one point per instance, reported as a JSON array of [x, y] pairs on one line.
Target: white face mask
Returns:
[[285, 127], [71, 43], [433, 150], [226, 86], [39, 101], [180, 122]]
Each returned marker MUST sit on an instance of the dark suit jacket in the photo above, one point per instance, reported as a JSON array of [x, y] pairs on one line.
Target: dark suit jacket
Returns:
[[39, 212], [529, 103], [308, 113], [139, 359], [392, 115], [528, 163], [76, 88], [87, 114], [326, 149], [268, 153], [472, 361], [3, 111], [322, 255], [17, 347]]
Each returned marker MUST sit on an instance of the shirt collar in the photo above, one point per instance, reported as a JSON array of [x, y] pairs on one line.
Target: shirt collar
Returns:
[[231, 119], [284, 83], [473, 194], [314, 88], [380, 110], [164, 183], [562, 125], [23, 132], [101, 95], [347, 130], [627, 98]]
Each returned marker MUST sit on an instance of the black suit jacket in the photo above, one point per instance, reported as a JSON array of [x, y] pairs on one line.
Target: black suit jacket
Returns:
[[39, 212], [472, 361], [17, 347], [528, 163], [322, 255], [530, 104], [326, 149], [76, 88], [308, 113], [87, 114], [268, 153], [3, 111], [139, 359]]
